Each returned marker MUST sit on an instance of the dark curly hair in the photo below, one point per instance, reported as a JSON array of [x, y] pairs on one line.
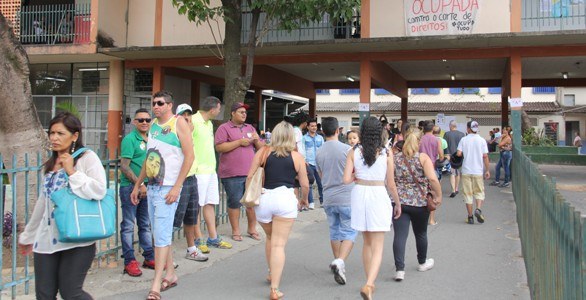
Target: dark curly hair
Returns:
[[370, 139]]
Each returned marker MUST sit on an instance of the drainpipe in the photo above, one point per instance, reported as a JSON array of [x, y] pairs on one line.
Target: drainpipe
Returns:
[[286, 113], [264, 113]]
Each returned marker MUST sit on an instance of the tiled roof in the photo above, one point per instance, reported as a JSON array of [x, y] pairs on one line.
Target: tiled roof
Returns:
[[574, 109], [434, 106]]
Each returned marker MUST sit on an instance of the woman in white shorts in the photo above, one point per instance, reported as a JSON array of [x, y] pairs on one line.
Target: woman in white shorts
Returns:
[[370, 165], [278, 203]]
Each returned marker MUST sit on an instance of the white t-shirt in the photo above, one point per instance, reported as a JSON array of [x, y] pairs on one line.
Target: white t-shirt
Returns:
[[299, 141], [473, 147]]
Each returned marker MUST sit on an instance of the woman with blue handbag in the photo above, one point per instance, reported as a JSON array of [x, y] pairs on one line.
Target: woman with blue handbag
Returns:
[[62, 266]]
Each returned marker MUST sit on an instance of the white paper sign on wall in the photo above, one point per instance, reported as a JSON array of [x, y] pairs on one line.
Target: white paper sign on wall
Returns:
[[363, 107], [516, 102]]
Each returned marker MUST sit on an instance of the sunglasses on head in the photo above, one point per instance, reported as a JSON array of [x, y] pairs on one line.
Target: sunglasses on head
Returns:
[[142, 120], [159, 103]]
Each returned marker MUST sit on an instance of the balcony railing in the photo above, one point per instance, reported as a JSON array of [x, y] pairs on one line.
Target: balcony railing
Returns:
[[55, 24], [327, 29], [541, 15]]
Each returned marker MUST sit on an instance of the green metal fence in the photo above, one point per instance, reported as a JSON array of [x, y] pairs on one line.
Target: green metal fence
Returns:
[[553, 234], [17, 272]]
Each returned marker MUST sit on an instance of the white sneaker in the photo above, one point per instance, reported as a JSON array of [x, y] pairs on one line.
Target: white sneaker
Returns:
[[312, 206], [426, 266], [196, 255], [400, 276], [339, 272]]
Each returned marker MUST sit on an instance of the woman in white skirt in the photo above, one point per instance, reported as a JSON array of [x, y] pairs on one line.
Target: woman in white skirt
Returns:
[[370, 166], [278, 204]]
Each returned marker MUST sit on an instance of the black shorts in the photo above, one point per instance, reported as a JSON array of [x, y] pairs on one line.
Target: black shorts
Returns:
[[188, 206]]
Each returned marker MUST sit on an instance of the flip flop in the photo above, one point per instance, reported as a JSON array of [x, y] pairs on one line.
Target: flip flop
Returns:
[[166, 284], [254, 236], [153, 296], [237, 237]]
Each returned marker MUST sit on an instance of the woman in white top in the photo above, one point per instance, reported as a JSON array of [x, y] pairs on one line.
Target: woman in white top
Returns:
[[370, 165], [62, 267]]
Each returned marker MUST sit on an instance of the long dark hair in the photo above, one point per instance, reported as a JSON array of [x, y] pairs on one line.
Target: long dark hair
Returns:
[[73, 125], [370, 139]]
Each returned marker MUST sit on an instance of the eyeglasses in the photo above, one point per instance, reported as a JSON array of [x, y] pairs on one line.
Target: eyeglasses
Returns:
[[143, 120], [159, 103], [243, 112]]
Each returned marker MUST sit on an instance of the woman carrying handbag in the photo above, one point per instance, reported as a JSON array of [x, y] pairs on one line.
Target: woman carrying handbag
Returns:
[[62, 267], [414, 176]]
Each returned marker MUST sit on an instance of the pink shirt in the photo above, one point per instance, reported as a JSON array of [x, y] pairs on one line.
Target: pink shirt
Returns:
[[236, 162], [428, 145]]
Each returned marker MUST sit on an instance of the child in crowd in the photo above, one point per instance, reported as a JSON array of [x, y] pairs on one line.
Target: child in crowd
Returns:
[[353, 137]]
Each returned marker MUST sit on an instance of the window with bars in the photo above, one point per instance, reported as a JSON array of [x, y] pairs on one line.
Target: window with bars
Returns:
[[467, 91], [544, 90], [90, 81], [425, 91], [143, 81], [494, 90], [350, 92]]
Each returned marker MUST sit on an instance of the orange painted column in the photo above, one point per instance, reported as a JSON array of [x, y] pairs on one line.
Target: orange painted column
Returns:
[[158, 23], [258, 109], [515, 85], [94, 9], [115, 105], [158, 78], [365, 19], [504, 111], [516, 8], [195, 91], [365, 85]]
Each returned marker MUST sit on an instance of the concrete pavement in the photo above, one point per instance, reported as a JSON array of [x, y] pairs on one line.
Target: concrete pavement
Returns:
[[472, 261]]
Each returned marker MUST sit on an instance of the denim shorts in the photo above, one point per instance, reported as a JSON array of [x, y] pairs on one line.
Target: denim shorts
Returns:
[[188, 206], [161, 214], [339, 221], [234, 187]]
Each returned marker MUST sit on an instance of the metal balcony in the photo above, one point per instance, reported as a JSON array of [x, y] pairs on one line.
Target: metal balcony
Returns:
[[55, 24]]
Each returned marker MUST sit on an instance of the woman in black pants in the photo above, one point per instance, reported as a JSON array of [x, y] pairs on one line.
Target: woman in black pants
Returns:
[[62, 267], [414, 177]]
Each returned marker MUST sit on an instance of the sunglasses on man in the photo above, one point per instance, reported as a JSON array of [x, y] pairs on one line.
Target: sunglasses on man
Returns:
[[143, 120], [159, 103]]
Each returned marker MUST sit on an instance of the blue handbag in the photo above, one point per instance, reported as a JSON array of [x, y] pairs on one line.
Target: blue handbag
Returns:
[[81, 220]]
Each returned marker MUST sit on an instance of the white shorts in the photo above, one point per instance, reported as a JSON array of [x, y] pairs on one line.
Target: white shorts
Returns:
[[279, 202], [207, 189]]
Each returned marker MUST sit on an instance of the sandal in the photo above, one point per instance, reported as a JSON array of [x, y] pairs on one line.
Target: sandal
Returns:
[[153, 296], [275, 294], [166, 284], [254, 236], [237, 237]]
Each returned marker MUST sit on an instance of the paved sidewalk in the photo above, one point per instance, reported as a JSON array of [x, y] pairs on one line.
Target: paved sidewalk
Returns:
[[472, 261], [570, 182]]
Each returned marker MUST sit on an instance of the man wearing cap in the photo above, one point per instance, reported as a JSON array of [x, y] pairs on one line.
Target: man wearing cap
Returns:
[[475, 164], [205, 172], [188, 207], [236, 142]]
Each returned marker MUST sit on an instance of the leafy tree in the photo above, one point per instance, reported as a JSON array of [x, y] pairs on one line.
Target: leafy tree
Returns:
[[286, 14]]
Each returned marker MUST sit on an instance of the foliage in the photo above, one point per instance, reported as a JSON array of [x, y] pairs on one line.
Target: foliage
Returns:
[[68, 106], [531, 137], [290, 13]]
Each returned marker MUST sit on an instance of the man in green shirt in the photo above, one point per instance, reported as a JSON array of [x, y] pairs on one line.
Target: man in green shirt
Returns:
[[205, 172], [132, 156]]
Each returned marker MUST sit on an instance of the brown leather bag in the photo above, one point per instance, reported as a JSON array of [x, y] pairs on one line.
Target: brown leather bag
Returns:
[[253, 190], [431, 204]]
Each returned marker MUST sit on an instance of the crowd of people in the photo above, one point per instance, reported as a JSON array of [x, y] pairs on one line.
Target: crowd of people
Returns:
[[368, 181]]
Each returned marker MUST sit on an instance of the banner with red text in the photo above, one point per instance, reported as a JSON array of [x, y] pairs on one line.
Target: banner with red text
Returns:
[[440, 17]]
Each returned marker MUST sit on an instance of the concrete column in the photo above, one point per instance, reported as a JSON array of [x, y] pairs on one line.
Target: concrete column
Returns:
[[365, 85], [504, 110], [258, 112], [195, 91], [115, 107], [404, 110], [312, 107], [514, 67]]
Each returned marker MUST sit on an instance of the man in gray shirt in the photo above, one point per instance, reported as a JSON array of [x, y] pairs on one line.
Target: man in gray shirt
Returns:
[[453, 137], [331, 161]]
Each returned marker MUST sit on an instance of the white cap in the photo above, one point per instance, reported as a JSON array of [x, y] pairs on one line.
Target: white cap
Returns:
[[183, 108], [474, 126]]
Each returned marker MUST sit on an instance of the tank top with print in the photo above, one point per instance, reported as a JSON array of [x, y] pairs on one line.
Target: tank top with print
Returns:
[[164, 155]]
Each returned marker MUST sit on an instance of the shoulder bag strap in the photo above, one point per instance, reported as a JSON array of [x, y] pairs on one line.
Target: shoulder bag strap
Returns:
[[266, 151], [78, 152], [423, 193]]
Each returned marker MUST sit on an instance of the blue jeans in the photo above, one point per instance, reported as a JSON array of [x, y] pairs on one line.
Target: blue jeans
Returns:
[[139, 213], [320, 190], [339, 221], [234, 187], [505, 162]]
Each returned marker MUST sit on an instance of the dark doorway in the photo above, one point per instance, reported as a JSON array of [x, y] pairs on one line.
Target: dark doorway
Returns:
[[571, 128]]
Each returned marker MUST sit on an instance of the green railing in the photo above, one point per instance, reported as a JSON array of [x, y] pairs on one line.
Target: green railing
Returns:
[[17, 271], [553, 234]]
